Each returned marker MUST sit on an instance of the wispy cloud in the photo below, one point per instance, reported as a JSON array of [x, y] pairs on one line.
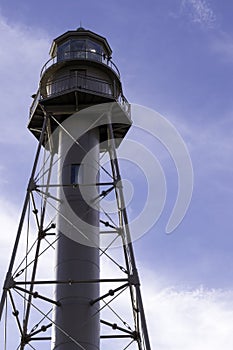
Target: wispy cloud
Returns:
[[23, 51], [188, 319], [208, 140], [199, 11], [223, 46], [181, 317]]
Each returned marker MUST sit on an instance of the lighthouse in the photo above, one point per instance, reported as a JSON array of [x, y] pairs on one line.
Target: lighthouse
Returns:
[[81, 76], [79, 113]]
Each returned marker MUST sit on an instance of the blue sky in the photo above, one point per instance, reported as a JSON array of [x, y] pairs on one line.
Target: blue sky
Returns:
[[176, 57]]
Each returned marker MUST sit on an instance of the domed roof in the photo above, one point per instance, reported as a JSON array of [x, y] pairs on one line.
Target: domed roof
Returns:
[[80, 29]]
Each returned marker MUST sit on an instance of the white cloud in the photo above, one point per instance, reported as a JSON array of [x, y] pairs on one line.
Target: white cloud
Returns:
[[187, 319], [8, 217], [223, 46], [209, 143], [199, 11], [181, 317], [23, 52]]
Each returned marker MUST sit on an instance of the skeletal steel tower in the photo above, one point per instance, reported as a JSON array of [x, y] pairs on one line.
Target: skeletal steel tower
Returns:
[[79, 116]]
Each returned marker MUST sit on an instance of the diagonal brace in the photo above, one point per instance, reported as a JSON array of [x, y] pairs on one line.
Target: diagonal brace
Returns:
[[111, 292], [37, 295]]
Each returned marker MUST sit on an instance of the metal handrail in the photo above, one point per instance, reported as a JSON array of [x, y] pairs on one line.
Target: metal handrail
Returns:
[[77, 83], [82, 82], [84, 55]]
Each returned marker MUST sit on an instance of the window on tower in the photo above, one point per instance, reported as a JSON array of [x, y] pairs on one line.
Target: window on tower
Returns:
[[76, 174]]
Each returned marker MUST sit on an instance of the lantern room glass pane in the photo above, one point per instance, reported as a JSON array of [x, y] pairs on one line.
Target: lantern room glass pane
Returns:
[[95, 51], [78, 48], [63, 51]]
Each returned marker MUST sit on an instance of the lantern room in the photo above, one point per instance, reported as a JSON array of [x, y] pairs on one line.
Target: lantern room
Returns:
[[81, 44]]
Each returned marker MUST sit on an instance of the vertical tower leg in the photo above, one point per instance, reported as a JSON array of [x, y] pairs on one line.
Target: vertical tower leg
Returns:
[[19, 231], [136, 298]]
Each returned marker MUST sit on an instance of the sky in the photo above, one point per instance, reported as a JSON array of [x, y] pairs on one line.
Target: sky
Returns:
[[176, 58]]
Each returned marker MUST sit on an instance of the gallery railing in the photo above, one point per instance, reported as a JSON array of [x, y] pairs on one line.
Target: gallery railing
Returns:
[[80, 83], [81, 55]]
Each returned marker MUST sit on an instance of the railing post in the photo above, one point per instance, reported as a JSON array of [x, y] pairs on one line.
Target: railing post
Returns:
[[114, 89]]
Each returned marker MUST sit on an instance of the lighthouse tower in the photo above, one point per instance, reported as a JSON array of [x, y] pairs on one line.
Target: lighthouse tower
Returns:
[[78, 114]]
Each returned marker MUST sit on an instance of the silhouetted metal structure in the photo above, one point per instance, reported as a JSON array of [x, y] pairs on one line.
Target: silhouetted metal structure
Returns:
[[79, 116]]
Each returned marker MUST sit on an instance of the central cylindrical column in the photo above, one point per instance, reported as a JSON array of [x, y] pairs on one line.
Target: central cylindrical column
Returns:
[[77, 265]]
